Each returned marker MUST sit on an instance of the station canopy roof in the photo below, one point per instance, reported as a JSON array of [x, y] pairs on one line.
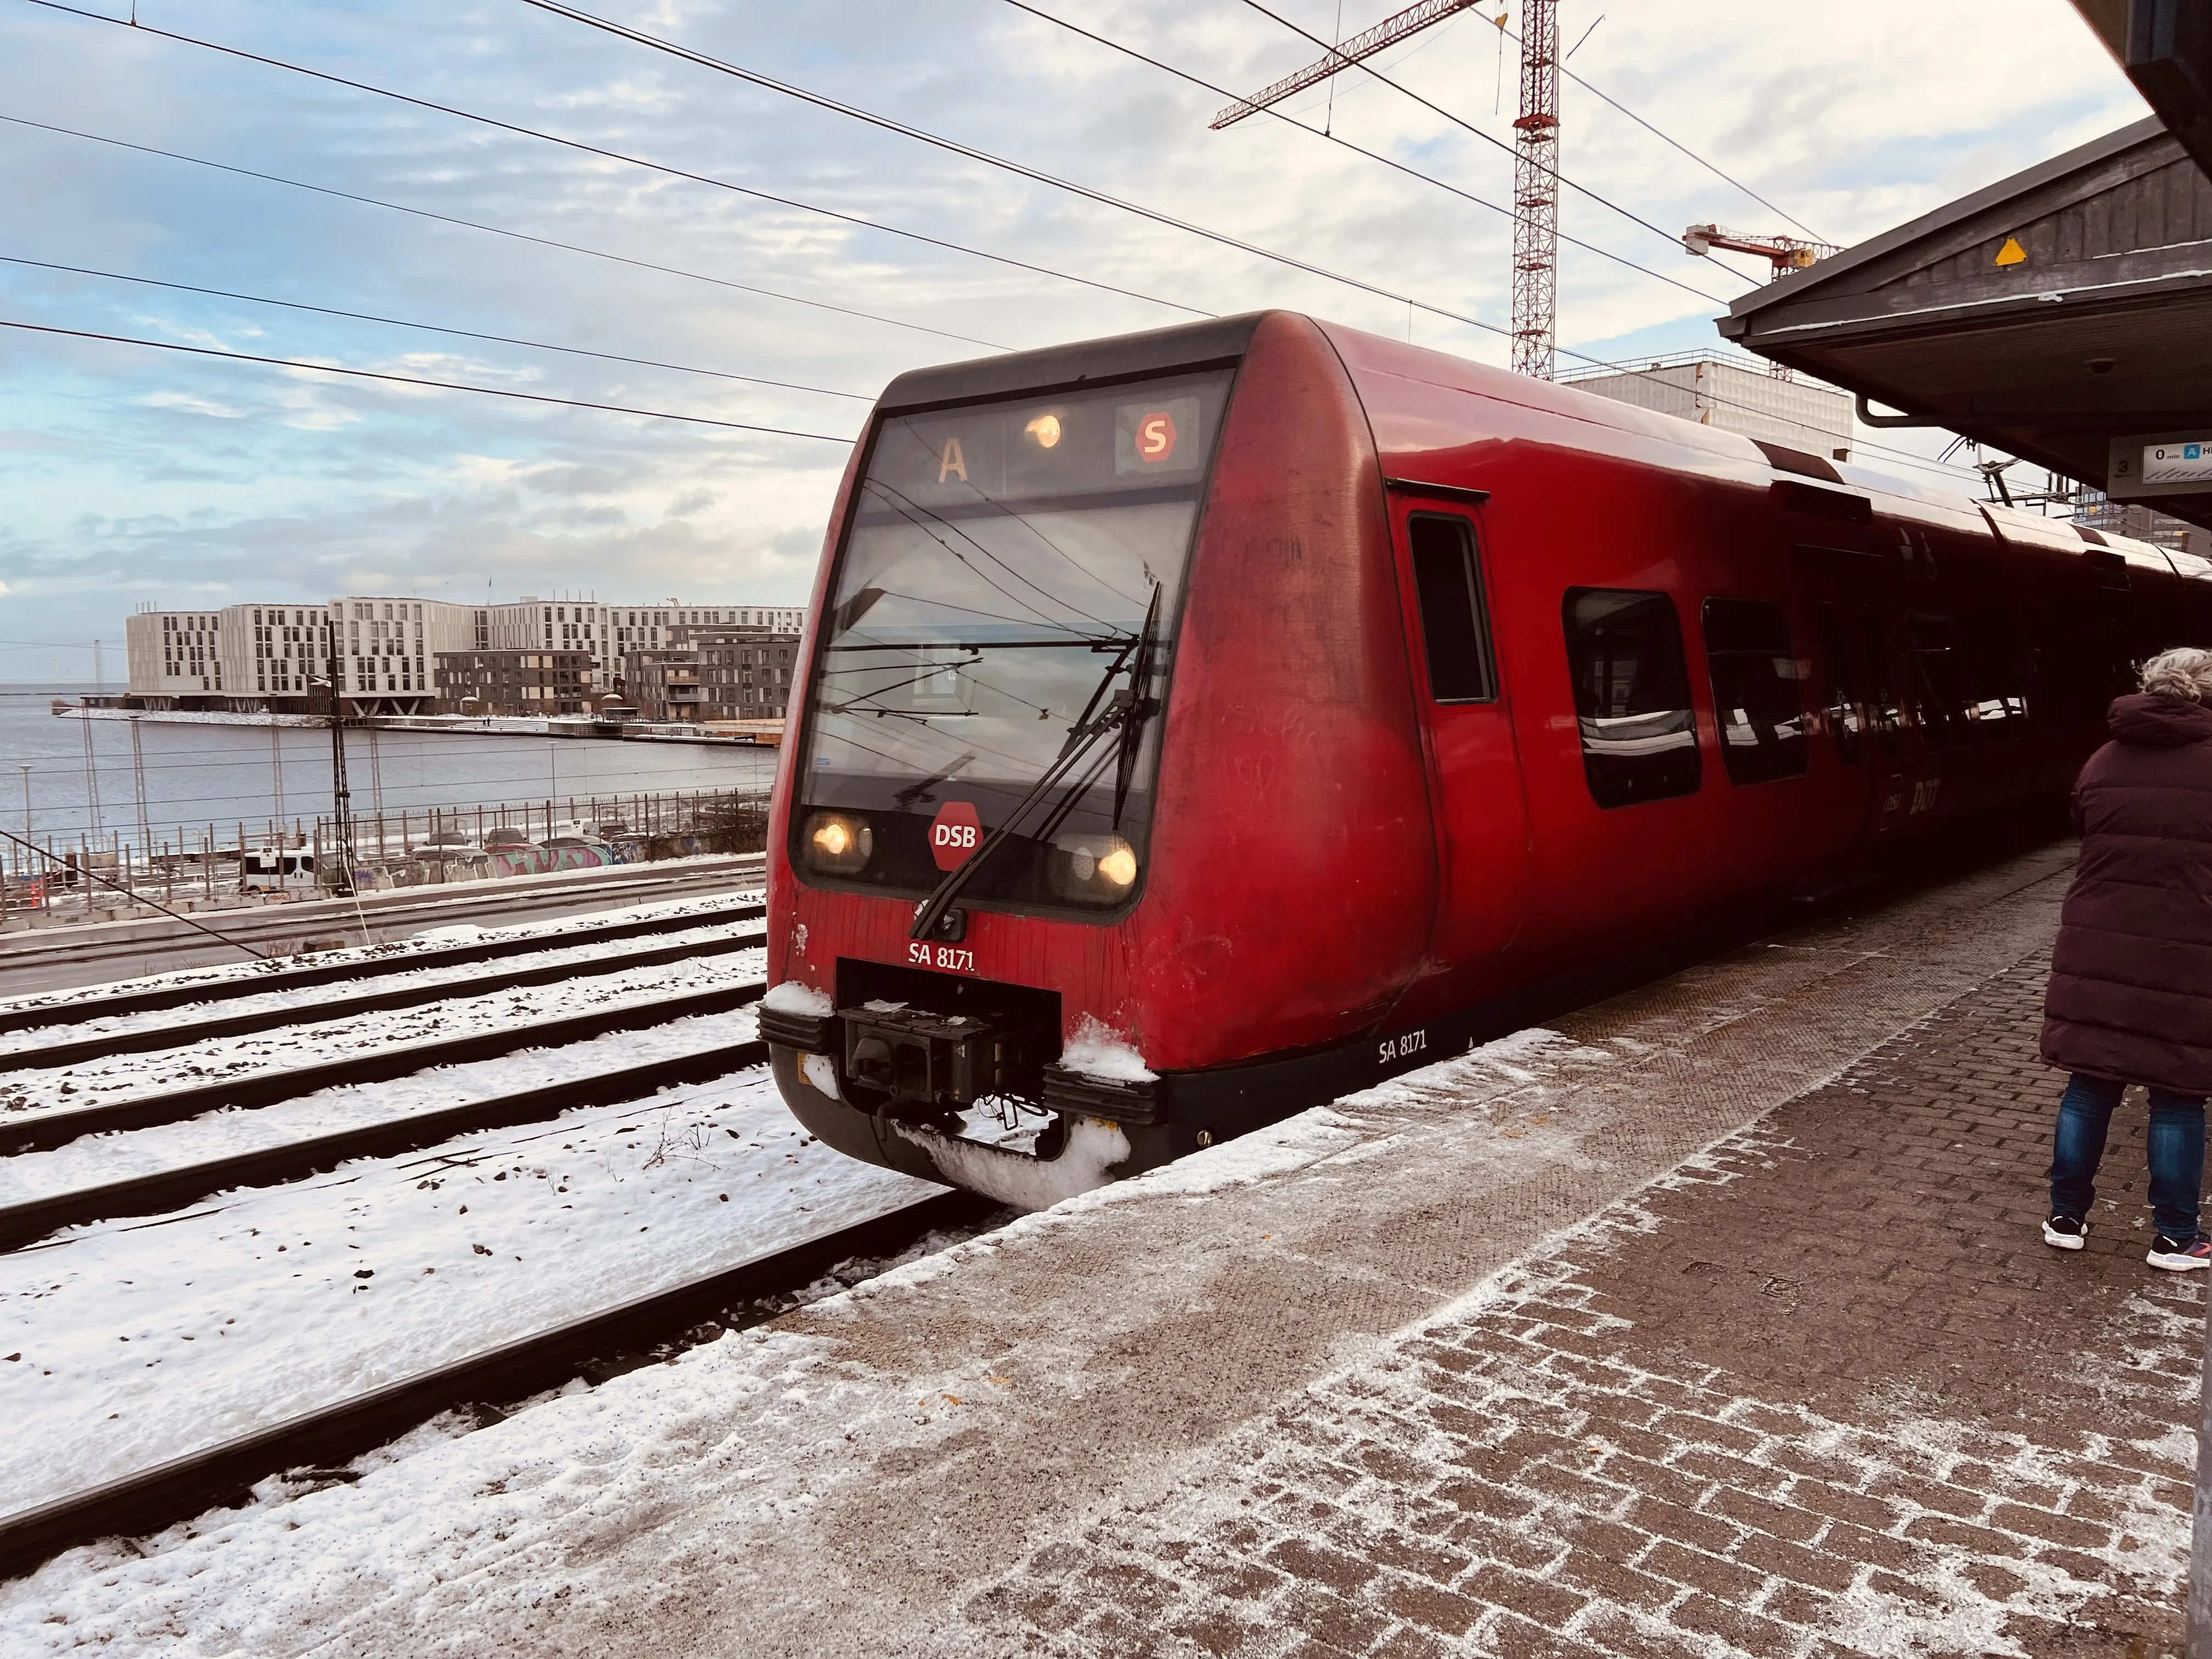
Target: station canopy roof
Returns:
[[2064, 315]]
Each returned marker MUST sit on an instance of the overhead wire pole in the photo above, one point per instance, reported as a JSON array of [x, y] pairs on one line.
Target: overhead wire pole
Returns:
[[1536, 192], [341, 796]]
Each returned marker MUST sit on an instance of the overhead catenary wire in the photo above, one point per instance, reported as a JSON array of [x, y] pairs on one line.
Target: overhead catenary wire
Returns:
[[500, 230], [767, 82], [430, 328], [1725, 178], [37, 851], [1022, 169], [580, 145], [657, 167], [413, 379], [1356, 283], [1507, 34], [1290, 119], [1366, 68]]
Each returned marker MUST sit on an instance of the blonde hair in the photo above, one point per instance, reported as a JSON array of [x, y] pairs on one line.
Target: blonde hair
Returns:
[[2184, 672]]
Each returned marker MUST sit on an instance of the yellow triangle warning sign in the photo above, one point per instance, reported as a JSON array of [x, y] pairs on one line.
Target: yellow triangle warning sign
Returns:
[[2012, 253]]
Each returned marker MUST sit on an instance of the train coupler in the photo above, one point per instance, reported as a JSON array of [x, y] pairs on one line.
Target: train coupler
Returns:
[[942, 1061]]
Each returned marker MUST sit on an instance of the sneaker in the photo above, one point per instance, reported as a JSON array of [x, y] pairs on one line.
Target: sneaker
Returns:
[[2065, 1232], [2178, 1255]]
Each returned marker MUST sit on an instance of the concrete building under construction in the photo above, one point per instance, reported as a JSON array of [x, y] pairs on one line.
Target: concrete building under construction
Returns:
[[1737, 396]]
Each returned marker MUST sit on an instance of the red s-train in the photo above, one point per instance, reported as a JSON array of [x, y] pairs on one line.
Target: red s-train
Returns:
[[1202, 724]]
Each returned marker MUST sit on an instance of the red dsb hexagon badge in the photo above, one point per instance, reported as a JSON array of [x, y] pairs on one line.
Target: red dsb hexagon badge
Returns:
[[954, 833], [1156, 437]]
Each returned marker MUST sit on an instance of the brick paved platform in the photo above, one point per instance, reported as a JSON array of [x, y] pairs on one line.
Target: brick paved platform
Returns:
[[1712, 1322], [1820, 1390]]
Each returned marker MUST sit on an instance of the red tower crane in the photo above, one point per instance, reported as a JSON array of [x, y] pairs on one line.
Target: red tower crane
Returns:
[[1535, 160], [1788, 253], [1388, 33], [1536, 191]]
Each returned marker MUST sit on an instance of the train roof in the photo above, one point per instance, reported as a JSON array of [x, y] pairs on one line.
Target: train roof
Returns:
[[1557, 412]]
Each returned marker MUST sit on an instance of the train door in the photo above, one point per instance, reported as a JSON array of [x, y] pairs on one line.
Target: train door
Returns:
[[1848, 596], [1474, 770]]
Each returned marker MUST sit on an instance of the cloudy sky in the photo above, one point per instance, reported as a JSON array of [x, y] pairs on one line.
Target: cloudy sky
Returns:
[[131, 475]]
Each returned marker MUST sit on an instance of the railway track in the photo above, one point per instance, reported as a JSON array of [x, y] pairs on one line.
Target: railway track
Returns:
[[164, 1190], [160, 1496], [49, 1056], [169, 1491], [59, 960], [395, 959]]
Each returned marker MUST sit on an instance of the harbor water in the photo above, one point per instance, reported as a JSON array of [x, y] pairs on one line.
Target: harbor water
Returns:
[[62, 777]]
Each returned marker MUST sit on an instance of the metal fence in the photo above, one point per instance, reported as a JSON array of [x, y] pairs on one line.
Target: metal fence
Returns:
[[415, 846]]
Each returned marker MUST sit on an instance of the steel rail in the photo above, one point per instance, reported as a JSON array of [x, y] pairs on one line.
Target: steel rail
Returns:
[[182, 1487], [51, 1055], [164, 1190], [398, 960], [568, 892], [43, 1131]]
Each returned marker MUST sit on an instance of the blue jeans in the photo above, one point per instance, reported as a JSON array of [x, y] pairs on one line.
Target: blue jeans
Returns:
[[2175, 1145]]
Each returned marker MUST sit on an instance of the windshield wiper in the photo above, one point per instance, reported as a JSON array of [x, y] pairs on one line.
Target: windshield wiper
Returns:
[[1125, 712], [1080, 642], [1141, 706]]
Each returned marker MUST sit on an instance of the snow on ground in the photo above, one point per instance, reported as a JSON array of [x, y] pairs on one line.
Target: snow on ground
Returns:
[[94, 1160], [223, 976], [131, 1343], [729, 1435], [133, 1076], [23, 1046]]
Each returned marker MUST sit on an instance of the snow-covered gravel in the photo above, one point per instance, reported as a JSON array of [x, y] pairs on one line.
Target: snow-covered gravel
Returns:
[[223, 979], [130, 1343], [130, 1076], [94, 1160], [21, 1047]]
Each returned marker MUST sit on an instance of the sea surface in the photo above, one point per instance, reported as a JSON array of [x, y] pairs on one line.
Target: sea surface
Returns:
[[64, 777]]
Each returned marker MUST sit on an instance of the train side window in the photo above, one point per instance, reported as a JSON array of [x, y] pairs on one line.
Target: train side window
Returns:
[[1756, 697], [1455, 629], [1938, 679], [1846, 690], [1632, 694], [1996, 676], [1885, 707]]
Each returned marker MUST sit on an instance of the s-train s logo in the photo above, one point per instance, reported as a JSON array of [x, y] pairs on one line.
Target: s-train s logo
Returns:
[[1156, 437], [954, 833]]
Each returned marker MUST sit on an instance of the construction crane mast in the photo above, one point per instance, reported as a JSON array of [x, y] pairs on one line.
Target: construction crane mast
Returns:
[[1536, 191], [1535, 160]]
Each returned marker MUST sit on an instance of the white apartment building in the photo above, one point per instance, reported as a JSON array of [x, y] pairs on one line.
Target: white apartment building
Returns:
[[609, 632], [262, 656], [388, 650], [174, 655]]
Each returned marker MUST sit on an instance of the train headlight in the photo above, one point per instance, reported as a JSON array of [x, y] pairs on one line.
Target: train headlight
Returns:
[[1045, 431], [838, 845], [1094, 869]]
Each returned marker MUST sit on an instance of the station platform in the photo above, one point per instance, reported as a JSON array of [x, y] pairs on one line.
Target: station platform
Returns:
[[1713, 1320]]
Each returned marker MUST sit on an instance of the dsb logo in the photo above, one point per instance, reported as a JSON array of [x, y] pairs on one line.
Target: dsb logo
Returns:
[[954, 833]]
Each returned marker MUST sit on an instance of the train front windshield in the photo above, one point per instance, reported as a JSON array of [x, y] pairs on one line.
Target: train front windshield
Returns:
[[999, 639]]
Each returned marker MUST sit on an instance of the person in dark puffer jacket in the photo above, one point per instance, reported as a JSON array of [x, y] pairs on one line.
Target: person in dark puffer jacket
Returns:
[[2130, 996]]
